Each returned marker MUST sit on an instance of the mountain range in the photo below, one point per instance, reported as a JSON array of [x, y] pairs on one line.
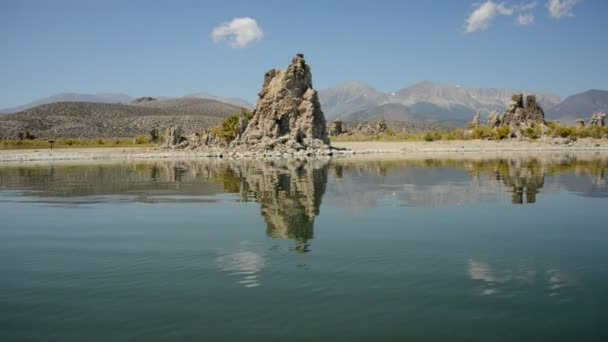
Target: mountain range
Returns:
[[582, 105], [425, 100]]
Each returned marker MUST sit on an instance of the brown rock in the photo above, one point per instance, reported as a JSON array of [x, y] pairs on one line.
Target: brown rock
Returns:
[[517, 114], [494, 119], [173, 137], [288, 109], [336, 128], [597, 119]]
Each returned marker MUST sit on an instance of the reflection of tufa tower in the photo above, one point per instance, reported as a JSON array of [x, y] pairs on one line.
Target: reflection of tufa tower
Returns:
[[526, 178], [290, 195]]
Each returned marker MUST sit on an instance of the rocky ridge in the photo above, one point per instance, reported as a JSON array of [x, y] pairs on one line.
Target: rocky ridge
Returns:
[[109, 120]]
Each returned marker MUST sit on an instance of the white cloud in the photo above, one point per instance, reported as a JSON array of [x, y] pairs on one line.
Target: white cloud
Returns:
[[480, 18], [527, 7], [503, 9], [561, 8], [483, 14], [525, 19], [240, 32]]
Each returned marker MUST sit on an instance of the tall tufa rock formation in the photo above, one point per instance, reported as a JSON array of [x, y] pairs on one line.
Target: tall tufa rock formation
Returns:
[[517, 114], [288, 113]]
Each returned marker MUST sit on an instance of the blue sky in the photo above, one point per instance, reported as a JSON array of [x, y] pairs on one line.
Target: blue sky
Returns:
[[166, 47]]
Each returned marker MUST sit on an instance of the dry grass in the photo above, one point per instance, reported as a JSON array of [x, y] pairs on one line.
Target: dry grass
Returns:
[[482, 132], [140, 141]]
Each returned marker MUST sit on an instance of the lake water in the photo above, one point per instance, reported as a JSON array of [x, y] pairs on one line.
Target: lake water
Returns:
[[421, 249]]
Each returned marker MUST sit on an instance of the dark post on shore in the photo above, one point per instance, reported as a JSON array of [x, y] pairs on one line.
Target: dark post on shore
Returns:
[[51, 142]]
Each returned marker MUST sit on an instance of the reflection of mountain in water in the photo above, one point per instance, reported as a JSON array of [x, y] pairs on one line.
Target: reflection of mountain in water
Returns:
[[429, 182], [141, 182]]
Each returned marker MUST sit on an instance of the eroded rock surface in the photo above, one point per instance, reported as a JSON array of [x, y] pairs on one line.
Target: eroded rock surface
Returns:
[[475, 122], [337, 128], [173, 137], [517, 114], [288, 114], [580, 123], [494, 119], [597, 119]]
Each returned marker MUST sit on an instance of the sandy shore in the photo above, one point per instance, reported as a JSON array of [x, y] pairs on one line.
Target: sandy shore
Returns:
[[358, 148]]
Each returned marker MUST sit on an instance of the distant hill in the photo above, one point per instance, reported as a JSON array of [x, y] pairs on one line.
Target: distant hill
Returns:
[[581, 106], [72, 97], [231, 100], [422, 101], [119, 98], [93, 120]]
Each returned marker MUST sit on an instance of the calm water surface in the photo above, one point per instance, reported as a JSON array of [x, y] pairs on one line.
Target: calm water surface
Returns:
[[464, 249]]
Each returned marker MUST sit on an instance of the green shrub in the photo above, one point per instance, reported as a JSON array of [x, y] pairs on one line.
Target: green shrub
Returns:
[[227, 130], [595, 132], [501, 133], [456, 134], [552, 124], [481, 132], [432, 136], [531, 132], [141, 140], [564, 131], [246, 114]]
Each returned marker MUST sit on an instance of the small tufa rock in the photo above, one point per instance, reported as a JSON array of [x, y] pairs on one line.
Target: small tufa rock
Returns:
[[154, 136], [597, 119], [337, 128], [580, 123], [475, 122], [381, 126], [173, 137]]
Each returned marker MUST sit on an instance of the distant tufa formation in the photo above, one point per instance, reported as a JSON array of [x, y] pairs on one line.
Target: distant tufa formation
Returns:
[[287, 118], [338, 127], [517, 116], [597, 119]]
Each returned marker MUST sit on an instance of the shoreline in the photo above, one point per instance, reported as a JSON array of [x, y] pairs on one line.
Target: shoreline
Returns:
[[348, 149]]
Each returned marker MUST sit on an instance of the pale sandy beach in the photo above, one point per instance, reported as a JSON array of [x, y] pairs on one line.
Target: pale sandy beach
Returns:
[[355, 148]]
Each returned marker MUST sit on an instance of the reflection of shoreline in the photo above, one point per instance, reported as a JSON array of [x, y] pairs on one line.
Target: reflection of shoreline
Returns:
[[290, 191], [446, 182]]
